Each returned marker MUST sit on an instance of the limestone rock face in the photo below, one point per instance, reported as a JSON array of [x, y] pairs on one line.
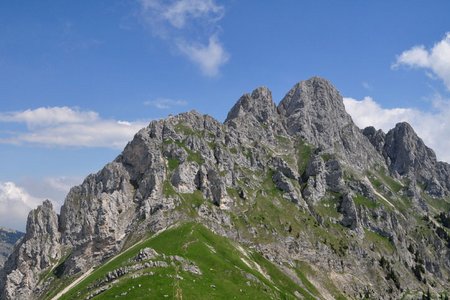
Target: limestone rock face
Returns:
[[348, 209], [96, 216], [255, 117], [407, 156], [34, 254], [314, 110]]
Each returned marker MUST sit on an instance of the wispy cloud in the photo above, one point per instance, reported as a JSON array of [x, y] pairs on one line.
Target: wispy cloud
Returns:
[[209, 57], [165, 103], [65, 126], [367, 85], [435, 60], [192, 27], [433, 127], [46, 116]]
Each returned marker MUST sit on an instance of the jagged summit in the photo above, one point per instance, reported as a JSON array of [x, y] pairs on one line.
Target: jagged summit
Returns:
[[314, 110], [407, 156], [300, 184], [258, 104]]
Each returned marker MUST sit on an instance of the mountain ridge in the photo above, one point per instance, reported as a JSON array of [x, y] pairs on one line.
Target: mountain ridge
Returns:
[[297, 182]]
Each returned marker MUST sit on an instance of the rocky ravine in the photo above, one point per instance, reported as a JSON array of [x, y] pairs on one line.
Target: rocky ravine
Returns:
[[299, 182]]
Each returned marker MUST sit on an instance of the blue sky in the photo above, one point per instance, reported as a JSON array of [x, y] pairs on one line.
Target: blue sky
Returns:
[[78, 78]]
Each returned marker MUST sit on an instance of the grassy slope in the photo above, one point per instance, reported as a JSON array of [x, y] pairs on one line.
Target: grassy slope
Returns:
[[225, 274]]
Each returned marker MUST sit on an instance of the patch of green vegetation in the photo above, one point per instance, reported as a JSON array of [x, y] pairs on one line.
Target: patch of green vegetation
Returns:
[[233, 150], [195, 156], [168, 189], [212, 145], [327, 207], [438, 204], [381, 243], [302, 269], [283, 141], [227, 272], [304, 152], [326, 157], [173, 163], [364, 201], [194, 199], [376, 182], [392, 183], [192, 155], [248, 153], [184, 129]]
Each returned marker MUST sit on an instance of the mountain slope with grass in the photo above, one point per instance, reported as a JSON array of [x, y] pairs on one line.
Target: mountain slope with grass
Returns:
[[278, 202]]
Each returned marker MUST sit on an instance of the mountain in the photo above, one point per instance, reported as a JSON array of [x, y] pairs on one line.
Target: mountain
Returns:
[[278, 202], [8, 237]]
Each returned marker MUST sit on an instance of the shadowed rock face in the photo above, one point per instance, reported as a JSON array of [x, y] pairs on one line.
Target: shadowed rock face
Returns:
[[306, 150], [8, 238]]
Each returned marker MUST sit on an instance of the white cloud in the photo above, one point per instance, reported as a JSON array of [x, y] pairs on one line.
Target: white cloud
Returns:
[[15, 204], [435, 60], [210, 58], [45, 116], [433, 127], [165, 103], [184, 23], [63, 126]]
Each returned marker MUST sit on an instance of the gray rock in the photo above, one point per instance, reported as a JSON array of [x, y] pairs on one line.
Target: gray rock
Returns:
[[33, 255], [348, 209], [284, 184], [314, 110]]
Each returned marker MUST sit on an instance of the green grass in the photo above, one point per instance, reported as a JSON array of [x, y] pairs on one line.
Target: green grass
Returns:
[[184, 129], [226, 274], [392, 183], [366, 202], [327, 207], [173, 163], [304, 152], [382, 244], [168, 189]]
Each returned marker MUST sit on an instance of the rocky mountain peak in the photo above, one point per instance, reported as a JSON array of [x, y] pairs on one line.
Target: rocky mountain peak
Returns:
[[314, 110], [258, 104], [39, 249], [406, 151]]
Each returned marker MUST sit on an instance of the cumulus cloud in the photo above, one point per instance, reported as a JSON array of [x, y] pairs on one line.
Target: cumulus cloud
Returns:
[[165, 103], [433, 126], [435, 60], [15, 204], [191, 26], [64, 126]]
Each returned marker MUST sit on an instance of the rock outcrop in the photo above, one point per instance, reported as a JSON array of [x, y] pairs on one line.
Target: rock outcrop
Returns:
[[407, 156], [314, 110], [35, 254]]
